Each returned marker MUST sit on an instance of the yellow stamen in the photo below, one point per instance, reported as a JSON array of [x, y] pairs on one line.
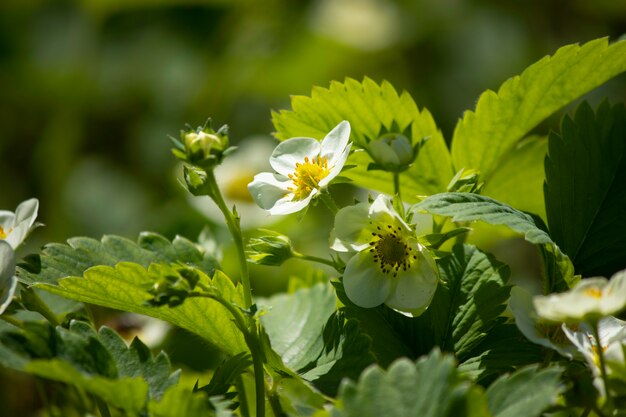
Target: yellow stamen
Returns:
[[307, 176], [593, 292], [3, 234]]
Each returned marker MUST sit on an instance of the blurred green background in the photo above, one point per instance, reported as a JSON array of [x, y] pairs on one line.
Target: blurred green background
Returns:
[[90, 90]]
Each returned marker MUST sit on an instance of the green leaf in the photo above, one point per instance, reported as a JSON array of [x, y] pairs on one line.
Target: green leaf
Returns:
[[128, 394], [59, 260], [81, 253], [526, 393], [502, 350], [585, 189], [314, 341], [369, 107], [97, 363], [518, 181], [467, 304], [466, 207], [429, 388], [182, 401], [125, 287], [501, 119], [137, 360]]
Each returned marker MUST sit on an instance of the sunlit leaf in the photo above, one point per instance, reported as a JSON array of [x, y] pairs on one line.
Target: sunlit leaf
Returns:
[[125, 287], [369, 107], [501, 119]]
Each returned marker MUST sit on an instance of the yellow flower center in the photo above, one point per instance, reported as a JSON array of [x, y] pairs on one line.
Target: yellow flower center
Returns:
[[307, 176], [593, 292], [3, 234], [391, 252]]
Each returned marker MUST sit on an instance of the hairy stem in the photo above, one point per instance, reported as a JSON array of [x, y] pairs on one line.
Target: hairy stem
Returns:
[[234, 227]]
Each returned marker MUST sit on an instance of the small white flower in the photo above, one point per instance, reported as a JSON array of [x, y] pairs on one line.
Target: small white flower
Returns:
[[538, 331], [590, 300], [304, 167], [389, 265], [14, 227], [8, 280], [612, 332]]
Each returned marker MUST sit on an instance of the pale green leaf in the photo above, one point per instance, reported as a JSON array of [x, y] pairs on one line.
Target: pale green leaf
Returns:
[[313, 341], [526, 393], [429, 388], [501, 119], [125, 287], [585, 189], [369, 107], [518, 181]]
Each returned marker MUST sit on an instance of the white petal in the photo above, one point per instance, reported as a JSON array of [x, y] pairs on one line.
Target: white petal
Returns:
[[8, 280], [614, 294], [335, 142], [288, 205], [415, 287], [7, 220], [352, 226], [382, 211], [292, 151], [364, 282], [267, 188], [336, 167], [27, 211]]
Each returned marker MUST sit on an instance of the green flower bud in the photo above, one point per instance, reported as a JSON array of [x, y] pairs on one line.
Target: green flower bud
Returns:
[[271, 249], [202, 147]]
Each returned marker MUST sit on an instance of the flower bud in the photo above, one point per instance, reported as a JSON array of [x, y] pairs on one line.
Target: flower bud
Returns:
[[392, 152], [271, 249], [202, 147]]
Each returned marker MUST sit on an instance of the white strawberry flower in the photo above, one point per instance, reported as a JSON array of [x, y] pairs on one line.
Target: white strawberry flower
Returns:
[[389, 265], [590, 300], [8, 280], [304, 167], [14, 227]]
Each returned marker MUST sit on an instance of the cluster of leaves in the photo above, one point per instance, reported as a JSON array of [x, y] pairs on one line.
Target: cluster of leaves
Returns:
[[324, 357]]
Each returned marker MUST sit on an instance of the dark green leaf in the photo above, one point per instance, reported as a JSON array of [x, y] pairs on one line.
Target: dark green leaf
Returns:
[[585, 189]]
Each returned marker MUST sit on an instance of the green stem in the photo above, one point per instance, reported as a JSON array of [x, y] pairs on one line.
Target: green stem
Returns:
[[243, 399], [33, 302], [251, 336], [600, 352], [396, 184], [314, 259], [328, 200], [234, 227], [12, 320], [585, 412]]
